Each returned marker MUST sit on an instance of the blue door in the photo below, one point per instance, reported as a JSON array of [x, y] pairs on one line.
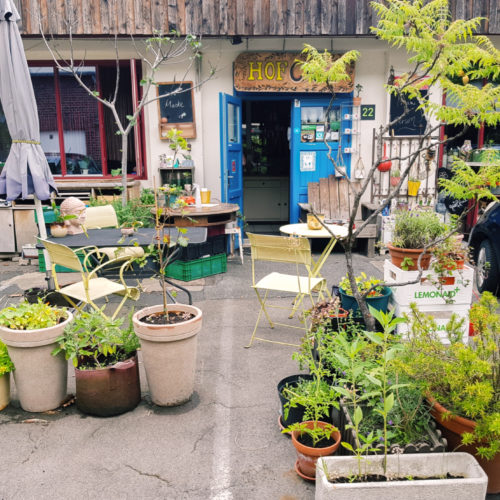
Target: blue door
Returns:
[[231, 150], [309, 154]]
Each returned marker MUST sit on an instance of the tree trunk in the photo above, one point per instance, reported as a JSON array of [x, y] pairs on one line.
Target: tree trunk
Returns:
[[124, 168], [368, 318]]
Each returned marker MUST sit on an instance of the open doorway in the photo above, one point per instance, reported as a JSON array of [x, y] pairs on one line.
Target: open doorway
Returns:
[[266, 164]]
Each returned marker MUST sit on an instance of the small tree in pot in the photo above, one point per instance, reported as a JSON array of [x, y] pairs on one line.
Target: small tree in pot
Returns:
[[168, 333]]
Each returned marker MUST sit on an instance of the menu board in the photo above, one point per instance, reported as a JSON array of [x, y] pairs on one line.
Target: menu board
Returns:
[[176, 108]]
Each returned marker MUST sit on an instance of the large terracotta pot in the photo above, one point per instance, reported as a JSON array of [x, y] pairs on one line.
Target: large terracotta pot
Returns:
[[169, 354], [40, 378], [308, 456], [452, 428], [109, 391], [399, 254], [4, 390]]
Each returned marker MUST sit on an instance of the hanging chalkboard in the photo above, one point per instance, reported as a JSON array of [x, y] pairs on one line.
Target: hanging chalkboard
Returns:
[[413, 123], [177, 108]]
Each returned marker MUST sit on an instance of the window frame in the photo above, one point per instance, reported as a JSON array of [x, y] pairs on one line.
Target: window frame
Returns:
[[138, 133]]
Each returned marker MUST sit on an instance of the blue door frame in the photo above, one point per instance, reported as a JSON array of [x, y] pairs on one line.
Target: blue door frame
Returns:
[[232, 151]]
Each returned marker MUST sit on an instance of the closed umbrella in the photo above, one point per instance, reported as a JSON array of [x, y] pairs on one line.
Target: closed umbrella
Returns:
[[26, 171]]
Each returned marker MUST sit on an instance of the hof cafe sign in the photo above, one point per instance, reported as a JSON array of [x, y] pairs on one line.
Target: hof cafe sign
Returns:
[[278, 72]]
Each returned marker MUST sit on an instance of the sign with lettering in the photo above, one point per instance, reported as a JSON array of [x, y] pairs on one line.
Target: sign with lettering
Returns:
[[176, 108], [278, 72], [368, 111]]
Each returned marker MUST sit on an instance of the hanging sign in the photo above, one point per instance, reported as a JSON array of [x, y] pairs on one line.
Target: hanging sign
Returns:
[[278, 72], [176, 108]]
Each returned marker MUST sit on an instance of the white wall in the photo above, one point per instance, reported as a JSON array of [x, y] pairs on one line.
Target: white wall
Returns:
[[372, 71]]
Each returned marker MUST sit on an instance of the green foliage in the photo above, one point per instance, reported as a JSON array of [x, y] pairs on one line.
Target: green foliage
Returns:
[[416, 229], [473, 183], [26, 316], [177, 144], [60, 219], [6, 365], [323, 67], [441, 50], [364, 284], [92, 341], [464, 379], [317, 433]]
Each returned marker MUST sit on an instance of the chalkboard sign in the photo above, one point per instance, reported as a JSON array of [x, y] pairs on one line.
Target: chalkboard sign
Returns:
[[413, 123], [177, 108]]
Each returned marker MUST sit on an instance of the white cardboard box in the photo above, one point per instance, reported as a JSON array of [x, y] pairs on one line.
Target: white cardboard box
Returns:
[[427, 293], [441, 317]]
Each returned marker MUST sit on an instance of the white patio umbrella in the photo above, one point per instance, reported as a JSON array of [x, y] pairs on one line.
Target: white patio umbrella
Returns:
[[26, 172]]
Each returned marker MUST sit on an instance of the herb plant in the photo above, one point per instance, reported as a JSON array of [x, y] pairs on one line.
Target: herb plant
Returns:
[[364, 284], [92, 341], [26, 316], [416, 229]]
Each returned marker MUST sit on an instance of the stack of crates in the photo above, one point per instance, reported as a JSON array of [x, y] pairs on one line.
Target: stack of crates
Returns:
[[438, 301], [198, 260]]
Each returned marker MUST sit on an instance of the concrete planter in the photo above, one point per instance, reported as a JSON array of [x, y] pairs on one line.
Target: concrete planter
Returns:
[[40, 378], [471, 487], [4, 390], [169, 354]]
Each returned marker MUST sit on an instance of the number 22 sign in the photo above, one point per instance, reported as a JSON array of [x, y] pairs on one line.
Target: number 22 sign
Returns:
[[368, 111]]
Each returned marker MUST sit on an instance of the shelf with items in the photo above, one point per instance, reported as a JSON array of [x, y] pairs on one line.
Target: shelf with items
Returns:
[[178, 176]]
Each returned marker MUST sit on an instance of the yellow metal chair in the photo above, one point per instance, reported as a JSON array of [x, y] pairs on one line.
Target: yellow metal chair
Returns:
[[290, 250], [105, 216], [92, 287]]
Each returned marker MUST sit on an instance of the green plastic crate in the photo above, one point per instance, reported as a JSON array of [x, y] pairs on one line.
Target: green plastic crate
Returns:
[[59, 269], [196, 269]]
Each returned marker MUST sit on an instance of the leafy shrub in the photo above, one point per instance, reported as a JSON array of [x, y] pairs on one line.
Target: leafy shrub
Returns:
[[26, 316], [364, 283], [416, 229], [6, 365]]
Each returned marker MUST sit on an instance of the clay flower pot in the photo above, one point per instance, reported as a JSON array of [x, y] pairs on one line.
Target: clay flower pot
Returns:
[[399, 254], [40, 378], [109, 391], [307, 456], [453, 427], [169, 354], [58, 230], [395, 181]]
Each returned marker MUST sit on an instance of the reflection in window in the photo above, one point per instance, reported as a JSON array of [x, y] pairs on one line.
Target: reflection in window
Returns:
[[88, 143], [233, 119]]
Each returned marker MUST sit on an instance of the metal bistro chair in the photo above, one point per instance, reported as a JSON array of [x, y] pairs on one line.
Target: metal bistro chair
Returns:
[[284, 249], [91, 287]]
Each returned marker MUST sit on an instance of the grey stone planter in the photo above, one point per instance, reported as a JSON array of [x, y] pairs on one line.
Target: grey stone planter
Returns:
[[471, 487], [435, 442]]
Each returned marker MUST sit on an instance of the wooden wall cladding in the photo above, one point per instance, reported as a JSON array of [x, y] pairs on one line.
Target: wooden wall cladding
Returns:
[[222, 17]]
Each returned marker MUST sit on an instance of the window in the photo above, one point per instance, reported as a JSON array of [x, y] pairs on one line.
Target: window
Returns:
[[77, 133]]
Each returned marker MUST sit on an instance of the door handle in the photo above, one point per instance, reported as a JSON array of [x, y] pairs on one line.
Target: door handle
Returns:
[[230, 176]]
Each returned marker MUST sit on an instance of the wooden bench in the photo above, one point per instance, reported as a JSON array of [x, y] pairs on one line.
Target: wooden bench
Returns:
[[333, 197]]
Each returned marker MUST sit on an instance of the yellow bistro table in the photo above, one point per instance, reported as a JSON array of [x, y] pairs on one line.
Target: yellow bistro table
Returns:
[[300, 229]]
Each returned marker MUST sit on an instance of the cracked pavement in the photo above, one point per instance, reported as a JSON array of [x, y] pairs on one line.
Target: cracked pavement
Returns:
[[223, 444]]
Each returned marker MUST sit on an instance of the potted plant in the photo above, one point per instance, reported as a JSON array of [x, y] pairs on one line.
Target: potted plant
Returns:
[[378, 296], [462, 382], [58, 228], [449, 256], [30, 332], [413, 186], [6, 366], [104, 355], [395, 177], [168, 333], [314, 436], [391, 476], [356, 101], [414, 230]]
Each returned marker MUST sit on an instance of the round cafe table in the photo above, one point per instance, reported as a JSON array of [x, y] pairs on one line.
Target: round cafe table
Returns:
[[301, 229]]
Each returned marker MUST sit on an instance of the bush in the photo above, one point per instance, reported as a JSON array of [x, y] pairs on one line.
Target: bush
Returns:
[[416, 229]]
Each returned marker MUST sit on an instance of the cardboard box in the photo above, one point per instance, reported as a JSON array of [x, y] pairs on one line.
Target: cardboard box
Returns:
[[428, 292]]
